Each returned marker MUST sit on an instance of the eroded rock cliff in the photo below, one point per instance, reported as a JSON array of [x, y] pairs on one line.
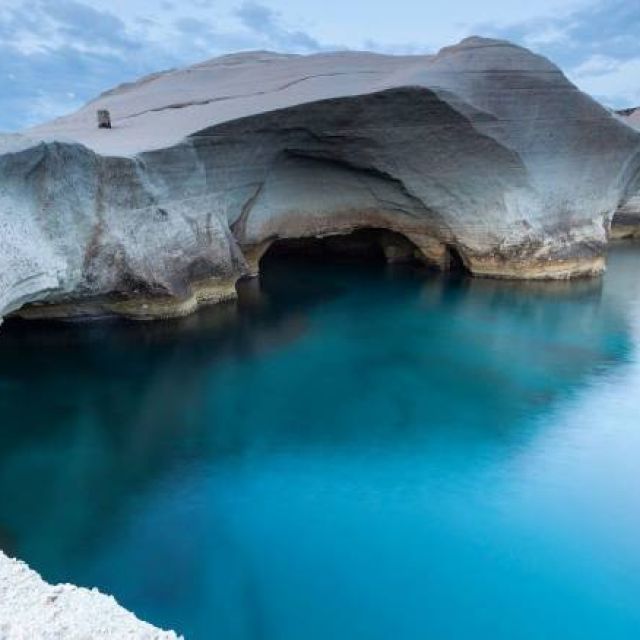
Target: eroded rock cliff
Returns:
[[484, 150]]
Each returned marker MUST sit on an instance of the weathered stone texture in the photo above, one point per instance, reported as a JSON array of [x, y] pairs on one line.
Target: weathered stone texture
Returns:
[[484, 147]]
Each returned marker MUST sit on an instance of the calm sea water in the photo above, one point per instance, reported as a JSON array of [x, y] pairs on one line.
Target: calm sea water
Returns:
[[348, 453]]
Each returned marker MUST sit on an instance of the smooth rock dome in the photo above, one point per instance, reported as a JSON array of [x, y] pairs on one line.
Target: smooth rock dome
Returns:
[[484, 151]]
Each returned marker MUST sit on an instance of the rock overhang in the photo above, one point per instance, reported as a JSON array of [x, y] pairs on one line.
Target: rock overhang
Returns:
[[484, 146]]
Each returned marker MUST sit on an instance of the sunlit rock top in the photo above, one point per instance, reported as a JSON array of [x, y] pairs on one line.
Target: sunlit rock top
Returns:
[[161, 109]]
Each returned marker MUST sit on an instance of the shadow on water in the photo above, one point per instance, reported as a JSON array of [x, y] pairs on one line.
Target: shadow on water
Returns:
[[102, 419]]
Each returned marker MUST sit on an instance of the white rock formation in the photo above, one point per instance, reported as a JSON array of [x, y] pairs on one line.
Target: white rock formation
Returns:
[[485, 148], [631, 116], [626, 220], [31, 609]]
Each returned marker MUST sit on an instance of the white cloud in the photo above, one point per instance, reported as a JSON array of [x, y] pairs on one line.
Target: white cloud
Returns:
[[547, 35], [614, 82], [596, 65]]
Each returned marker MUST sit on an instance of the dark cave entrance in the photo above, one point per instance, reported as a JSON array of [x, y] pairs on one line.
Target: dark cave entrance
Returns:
[[362, 246], [454, 263], [299, 271]]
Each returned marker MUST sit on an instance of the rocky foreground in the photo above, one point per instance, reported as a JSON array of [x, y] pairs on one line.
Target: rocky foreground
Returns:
[[31, 609], [483, 154]]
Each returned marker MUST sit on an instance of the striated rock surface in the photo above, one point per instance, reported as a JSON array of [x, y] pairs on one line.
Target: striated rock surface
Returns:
[[626, 220], [484, 152], [31, 609]]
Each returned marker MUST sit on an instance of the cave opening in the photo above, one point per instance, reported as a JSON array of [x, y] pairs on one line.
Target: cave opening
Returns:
[[362, 246], [309, 270], [454, 262]]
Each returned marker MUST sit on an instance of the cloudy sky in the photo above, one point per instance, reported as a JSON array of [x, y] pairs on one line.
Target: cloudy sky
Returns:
[[57, 54]]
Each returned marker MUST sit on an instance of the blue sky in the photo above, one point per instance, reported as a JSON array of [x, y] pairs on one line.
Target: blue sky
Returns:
[[57, 54]]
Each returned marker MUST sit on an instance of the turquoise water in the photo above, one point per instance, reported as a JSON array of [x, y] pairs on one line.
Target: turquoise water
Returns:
[[350, 453]]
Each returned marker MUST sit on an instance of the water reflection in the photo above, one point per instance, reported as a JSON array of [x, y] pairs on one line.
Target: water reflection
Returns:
[[156, 460]]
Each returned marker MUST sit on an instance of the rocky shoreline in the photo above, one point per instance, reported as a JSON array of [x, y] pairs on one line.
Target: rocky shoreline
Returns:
[[30, 608]]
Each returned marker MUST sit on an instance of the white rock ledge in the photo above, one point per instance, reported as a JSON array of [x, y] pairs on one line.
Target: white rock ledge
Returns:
[[32, 609]]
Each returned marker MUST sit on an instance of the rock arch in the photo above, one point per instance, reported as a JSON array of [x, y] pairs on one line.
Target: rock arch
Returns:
[[365, 244]]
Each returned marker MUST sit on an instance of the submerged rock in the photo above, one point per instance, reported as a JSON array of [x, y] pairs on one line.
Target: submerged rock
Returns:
[[484, 153], [30, 608]]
